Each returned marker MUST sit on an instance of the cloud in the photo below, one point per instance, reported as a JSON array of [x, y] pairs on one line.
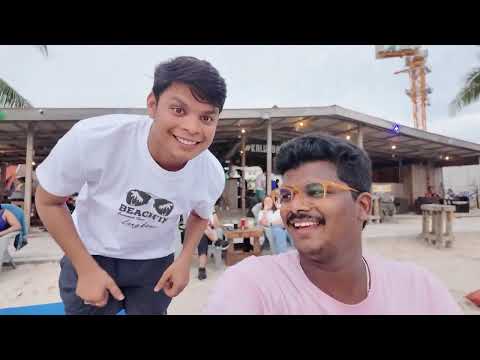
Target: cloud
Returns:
[[463, 126], [257, 76]]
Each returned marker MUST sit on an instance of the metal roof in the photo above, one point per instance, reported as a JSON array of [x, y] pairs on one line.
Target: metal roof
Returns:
[[411, 144]]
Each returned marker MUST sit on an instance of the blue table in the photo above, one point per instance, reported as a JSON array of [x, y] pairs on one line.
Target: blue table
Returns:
[[42, 309]]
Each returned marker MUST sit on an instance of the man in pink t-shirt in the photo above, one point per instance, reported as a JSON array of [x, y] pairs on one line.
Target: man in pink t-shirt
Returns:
[[325, 205]]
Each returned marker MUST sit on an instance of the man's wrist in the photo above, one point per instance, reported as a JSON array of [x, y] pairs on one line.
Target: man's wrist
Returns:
[[185, 256], [85, 264]]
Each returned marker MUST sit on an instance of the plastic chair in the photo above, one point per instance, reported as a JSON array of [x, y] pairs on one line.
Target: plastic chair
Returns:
[[5, 241]]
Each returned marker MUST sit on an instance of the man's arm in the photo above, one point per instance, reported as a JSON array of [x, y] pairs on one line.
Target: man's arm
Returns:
[[58, 221], [193, 233], [13, 222], [177, 275], [93, 281]]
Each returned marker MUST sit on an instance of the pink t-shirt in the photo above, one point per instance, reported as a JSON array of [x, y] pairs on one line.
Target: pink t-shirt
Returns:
[[277, 285]]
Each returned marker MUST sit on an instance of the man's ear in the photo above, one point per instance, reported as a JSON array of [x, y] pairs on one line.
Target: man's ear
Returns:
[[364, 201], [151, 105]]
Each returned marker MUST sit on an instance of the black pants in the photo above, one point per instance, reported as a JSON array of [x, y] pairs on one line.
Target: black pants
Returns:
[[202, 245], [136, 279]]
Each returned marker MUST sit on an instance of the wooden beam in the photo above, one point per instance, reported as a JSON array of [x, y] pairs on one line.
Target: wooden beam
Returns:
[[269, 157], [3, 181], [18, 126], [360, 137], [244, 155], [345, 132], [28, 176]]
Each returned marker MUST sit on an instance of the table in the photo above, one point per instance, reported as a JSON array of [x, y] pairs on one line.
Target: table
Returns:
[[437, 224], [234, 256]]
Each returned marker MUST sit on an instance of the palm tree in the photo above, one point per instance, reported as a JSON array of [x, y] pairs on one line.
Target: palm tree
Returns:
[[9, 97], [469, 93]]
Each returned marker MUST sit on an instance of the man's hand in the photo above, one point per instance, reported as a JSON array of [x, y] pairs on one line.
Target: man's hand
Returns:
[[175, 278], [93, 287]]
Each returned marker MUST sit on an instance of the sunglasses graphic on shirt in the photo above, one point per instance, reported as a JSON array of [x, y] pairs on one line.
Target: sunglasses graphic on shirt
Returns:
[[139, 198]]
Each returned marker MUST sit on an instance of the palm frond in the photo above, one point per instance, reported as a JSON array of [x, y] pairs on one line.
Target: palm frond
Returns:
[[468, 94], [10, 98]]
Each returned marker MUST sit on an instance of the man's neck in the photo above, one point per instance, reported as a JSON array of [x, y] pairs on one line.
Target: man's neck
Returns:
[[161, 159], [343, 279]]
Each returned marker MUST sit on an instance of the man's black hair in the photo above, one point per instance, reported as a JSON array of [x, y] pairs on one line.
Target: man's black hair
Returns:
[[205, 82]]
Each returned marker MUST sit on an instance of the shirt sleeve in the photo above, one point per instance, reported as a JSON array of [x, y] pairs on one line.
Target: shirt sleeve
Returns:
[[62, 172], [235, 293], [216, 181]]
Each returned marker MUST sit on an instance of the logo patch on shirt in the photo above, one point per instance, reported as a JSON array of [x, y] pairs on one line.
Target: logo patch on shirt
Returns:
[[142, 212]]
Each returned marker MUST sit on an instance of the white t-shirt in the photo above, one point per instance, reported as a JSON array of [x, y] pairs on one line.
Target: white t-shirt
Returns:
[[128, 207], [260, 182], [273, 217]]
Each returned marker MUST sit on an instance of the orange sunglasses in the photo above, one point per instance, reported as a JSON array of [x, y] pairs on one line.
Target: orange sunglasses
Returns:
[[316, 190]]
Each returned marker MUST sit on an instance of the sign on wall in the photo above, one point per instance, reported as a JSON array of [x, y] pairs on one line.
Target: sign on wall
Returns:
[[261, 148]]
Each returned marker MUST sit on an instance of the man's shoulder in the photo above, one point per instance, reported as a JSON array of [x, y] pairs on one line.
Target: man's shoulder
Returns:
[[110, 123], [208, 159], [396, 271], [211, 167]]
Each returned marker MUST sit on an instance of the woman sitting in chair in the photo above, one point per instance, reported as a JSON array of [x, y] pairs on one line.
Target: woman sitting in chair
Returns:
[[8, 222], [269, 217]]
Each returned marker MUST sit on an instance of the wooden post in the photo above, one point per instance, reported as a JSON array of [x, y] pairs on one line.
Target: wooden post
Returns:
[[443, 220], [450, 217], [269, 157], [438, 228], [27, 208], [360, 137], [400, 164], [425, 224], [3, 181], [243, 175]]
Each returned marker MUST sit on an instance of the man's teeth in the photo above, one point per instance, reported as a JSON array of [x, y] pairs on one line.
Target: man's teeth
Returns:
[[185, 141], [305, 224]]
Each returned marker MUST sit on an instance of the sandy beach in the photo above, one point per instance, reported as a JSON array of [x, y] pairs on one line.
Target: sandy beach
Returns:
[[35, 280]]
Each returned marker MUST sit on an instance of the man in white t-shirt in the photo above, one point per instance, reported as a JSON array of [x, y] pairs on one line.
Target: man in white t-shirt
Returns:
[[326, 200], [135, 175]]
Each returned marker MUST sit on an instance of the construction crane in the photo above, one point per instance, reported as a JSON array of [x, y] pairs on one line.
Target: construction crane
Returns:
[[416, 67]]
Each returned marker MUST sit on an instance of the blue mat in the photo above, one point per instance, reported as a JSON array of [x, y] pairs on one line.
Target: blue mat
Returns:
[[42, 309]]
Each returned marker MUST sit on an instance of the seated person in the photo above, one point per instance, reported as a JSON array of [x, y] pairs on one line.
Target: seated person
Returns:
[[210, 236], [431, 193], [326, 201], [8, 222], [450, 194], [269, 216]]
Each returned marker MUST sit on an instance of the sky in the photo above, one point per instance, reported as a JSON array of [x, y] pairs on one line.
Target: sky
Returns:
[[256, 76]]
